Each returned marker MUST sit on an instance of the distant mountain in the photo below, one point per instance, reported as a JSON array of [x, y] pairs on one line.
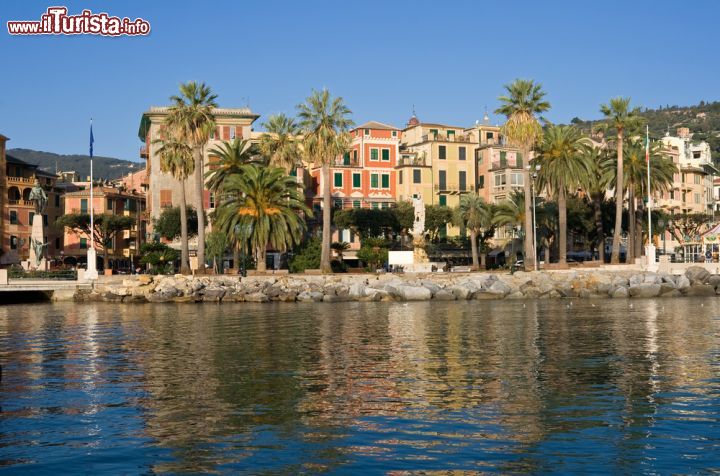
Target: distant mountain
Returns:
[[103, 167], [703, 120]]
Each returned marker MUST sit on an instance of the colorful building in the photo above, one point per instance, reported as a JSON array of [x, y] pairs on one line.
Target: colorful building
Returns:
[[17, 180], [124, 248]]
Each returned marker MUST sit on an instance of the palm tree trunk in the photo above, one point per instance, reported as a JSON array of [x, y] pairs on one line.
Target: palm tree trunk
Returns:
[[547, 253], [236, 256], [261, 264], [562, 225], [184, 254], [106, 256], [200, 205], [630, 249], [597, 205], [325, 250], [483, 260], [474, 248], [528, 252], [615, 257], [639, 230]]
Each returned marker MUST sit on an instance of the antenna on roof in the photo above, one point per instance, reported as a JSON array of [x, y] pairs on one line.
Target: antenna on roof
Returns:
[[486, 118]]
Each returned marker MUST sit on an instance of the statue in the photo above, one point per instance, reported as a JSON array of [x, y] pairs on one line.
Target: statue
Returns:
[[37, 246], [418, 229], [38, 196]]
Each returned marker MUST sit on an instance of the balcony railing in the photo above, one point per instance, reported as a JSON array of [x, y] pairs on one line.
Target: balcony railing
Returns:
[[451, 188], [445, 137], [345, 163], [27, 203], [507, 164], [413, 161], [24, 180]]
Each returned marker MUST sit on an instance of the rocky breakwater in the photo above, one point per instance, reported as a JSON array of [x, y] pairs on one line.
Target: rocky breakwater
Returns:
[[437, 286]]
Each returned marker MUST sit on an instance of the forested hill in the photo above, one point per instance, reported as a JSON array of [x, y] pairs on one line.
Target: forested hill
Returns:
[[103, 167], [703, 120]]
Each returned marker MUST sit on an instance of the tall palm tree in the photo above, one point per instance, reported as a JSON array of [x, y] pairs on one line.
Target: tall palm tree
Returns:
[[325, 123], [229, 158], [524, 100], [621, 118], [176, 159], [280, 143], [600, 177], [563, 170], [476, 215], [192, 113], [265, 207]]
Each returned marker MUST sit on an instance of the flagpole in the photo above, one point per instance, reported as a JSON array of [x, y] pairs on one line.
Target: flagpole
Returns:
[[650, 249], [91, 268]]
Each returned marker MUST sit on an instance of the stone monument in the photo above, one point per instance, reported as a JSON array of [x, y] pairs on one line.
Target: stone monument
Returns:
[[418, 233], [37, 240]]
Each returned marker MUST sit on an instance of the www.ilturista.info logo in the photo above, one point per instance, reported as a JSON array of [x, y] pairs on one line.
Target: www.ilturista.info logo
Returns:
[[57, 22]]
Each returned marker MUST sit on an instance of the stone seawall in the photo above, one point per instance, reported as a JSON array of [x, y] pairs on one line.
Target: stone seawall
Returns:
[[696, 281]]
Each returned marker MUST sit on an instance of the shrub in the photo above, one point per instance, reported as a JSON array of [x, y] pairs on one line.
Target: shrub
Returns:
[[307, 256]]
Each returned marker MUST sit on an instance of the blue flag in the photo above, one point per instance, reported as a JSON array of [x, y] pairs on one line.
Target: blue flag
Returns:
[[91, 140]]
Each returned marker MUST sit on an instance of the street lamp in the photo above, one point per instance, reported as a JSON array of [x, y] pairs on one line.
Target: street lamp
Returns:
[[533, 177]]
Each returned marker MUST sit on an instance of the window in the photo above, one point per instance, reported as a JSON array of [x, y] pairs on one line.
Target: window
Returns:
[[356, 180], [13, 217], [434, 133], [394, 133], [375, 205], [696, 154], [373, 154], [503, 159], [481, 181], [462, 180], [400, 177], [367, 132], [385, 205], [232, 132], [45, 220], [338, 179], [31, 215], [443, 200], [417, 176], [518, 160], [697, 198], [212, 200], [517, 179], [83, 243], [356, 203], [337, 203], [57, 200], [698, 179], [352, 237], [84, 205], [13, 242], [165, 198], [386, 155], [461, 153], [442, 179], [57, 243], [355, 157], [500, 179], [346, 158], [373, 180], [442, 152], [109, 204], [385, 180], [450, 133]]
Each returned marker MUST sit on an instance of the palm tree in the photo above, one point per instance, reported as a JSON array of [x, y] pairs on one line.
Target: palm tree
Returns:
[[563, 169], [325, 123], [523, 101], [264, 207], [476, 215], [600, 177], [340, 247], [176, 159], [621, 118], [229, 157], [279, 144], [192, 114]]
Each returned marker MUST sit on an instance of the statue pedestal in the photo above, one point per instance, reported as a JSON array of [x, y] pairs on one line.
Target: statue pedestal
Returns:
[[37, 259], [91, 270]]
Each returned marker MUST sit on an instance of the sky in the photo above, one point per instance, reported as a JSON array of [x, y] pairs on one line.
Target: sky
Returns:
[[448, 60]]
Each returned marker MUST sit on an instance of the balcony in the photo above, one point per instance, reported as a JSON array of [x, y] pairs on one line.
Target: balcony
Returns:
[[21, 180], [26, 203], [345, 163], [668, 203], [445, 138], [413, 162], [451, 188], [144, 151], [504, 164]]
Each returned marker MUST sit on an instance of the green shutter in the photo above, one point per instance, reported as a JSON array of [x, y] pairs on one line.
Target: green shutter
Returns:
[[338, 179], [373, 154], [373, 180], [346, 158], [443, 200], [356, 203], [519, 161], [356, 180], [386, 154], [442, 152], [385, 181], [503, 158]]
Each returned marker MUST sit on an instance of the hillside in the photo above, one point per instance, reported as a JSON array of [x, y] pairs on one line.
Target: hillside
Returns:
[[703, 120], [103, 167]]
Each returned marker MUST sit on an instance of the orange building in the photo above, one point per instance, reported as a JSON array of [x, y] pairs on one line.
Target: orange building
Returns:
[[125, 247]]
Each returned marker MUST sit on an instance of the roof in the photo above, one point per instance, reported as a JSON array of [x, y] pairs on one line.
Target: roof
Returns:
[[377, 125], [434, 124], [40, 172], [218, 112]]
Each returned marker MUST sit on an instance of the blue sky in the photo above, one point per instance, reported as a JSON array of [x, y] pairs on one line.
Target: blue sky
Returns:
[[449, 59]]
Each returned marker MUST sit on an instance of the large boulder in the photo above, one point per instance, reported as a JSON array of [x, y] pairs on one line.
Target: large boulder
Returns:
[[310, 296], [256, 297], [644, 290], [619, 292], [697, 274], [444, 295], [414, 293], [497, 290], [213, 293], [700, 290]]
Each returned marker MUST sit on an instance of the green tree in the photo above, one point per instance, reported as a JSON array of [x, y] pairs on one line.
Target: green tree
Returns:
[[280, 143], [621, 117], [159, 256], [367, 222], [340, 247], [228, 159], [307, 256], [262, 206], [563, 170], [216, 244], [437, 217], [600, 177], [106, 226], [191, 114], [476, 215], [522, 103], [374, 253], [324, 121], [176, 159], [169, 223]]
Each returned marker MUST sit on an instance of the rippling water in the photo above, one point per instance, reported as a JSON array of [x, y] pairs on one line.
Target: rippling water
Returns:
[[603, 386]]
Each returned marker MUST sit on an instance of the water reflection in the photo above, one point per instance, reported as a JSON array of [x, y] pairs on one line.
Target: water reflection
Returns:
[[533, 386]]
